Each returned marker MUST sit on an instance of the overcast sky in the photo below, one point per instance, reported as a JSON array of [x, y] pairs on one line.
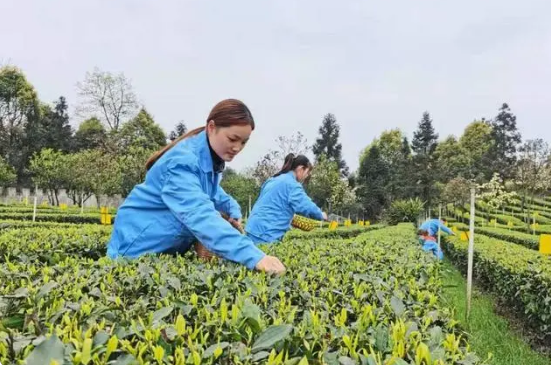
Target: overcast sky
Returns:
[[375, 64]]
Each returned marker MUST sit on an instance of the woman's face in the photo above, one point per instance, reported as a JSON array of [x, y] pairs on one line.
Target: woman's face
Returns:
[[302, 173], [227, 142]]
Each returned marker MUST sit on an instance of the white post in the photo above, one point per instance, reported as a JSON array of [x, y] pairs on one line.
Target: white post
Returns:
[[35, 202], [439, 220], [249, 205], [81, 203], [471, 254]]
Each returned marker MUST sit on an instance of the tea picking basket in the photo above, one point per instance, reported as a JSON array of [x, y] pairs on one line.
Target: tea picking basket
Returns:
[[303, 223]]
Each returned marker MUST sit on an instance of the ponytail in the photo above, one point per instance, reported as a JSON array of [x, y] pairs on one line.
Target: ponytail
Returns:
[[157, 155], [287, 165], [292, 162]]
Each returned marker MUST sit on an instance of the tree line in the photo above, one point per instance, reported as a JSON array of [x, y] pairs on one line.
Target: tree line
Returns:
[[437, 171], [106, 154]]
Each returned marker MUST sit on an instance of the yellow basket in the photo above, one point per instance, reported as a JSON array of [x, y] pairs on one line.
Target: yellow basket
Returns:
[[303, 223]]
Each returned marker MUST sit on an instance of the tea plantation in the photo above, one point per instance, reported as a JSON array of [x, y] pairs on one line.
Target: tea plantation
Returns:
[[356, 295]]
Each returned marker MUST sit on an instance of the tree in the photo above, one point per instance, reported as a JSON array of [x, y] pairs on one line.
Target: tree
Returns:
[[324, 177], [271, 162], [296, 144], [18, 104], [240, 187], [424, 144], [141, 131], [266, 167], [405, 167], [50, 171], [343, 197], [533, 174], [107, 95], [327, 188], [506, 139], [494, 194], [475, 145], [178, 131], [50, 130], [132, 167], [327, 143], [425, 138], [90, 135], [101, 173], [373, 176], [451, 159], [79, 182], [457, 191], [395, 152], [7, 173]]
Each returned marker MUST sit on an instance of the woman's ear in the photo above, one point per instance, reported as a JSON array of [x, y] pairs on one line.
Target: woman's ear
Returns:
[[211, 127]]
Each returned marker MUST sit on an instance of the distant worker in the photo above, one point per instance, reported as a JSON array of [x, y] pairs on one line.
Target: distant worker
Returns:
[[432, 225], [430, 244], [281, 197], [427, 236]]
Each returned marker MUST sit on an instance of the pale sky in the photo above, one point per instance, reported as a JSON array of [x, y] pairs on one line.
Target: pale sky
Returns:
[[376, 65]]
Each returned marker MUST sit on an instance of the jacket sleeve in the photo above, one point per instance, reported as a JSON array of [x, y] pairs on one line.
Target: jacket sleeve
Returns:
[[226, 204], [302, 204], [184, 196], [445, 229]]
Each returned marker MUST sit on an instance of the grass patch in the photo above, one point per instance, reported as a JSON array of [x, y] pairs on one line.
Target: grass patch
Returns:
[[489, 332]]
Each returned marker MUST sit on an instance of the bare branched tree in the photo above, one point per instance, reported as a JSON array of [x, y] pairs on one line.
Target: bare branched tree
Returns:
[[108, 96], [297, 144]]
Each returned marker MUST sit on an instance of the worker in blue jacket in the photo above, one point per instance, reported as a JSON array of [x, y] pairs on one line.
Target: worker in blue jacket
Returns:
[[429, 244], [432, 226], [180, 199], [281, 197]]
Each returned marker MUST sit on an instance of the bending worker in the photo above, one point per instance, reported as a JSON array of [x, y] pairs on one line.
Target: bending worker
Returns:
[[429, 244], [427, 236], [281, 197], [179, 200], [432, 226]]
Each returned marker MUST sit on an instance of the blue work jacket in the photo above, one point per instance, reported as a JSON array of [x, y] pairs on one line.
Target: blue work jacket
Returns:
[[176, 205], [280, 198], [432, 225]]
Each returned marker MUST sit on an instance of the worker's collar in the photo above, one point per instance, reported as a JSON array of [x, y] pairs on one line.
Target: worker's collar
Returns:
[[210, 161]]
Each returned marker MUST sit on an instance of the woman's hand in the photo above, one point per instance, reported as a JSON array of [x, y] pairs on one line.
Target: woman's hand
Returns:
[[270, 264]]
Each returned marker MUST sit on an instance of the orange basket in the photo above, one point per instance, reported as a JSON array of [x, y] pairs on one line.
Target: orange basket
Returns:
[[303, 223], [202, 252]]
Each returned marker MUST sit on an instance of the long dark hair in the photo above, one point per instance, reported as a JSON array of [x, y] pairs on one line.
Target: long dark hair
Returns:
[[292, 162], [226, 113]]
